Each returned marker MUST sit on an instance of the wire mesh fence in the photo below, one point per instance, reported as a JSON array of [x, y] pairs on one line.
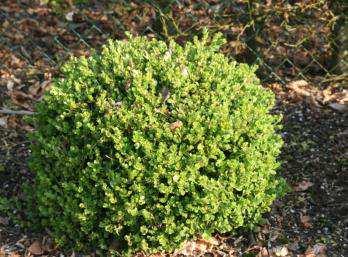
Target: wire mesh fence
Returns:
[[288, 41], [299, 41]]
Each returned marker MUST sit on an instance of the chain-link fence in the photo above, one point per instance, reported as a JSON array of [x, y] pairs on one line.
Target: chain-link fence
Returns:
[[299, 41], [288, 40]]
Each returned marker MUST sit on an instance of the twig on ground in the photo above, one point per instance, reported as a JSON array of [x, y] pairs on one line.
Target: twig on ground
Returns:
[[13, 112]]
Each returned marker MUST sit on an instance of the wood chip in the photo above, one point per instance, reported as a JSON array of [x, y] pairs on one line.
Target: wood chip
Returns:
[[35, 248]]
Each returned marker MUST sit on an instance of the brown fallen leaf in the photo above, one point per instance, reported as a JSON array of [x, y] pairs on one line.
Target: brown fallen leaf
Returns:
[[302, 91], [5, 24], [263, 252], [318, 250], [305, 221], [175, 125], [280, 251], [299, 87], [208, 244], [330, 94], [35, 248], [312, 101], [15, 122], [37, 90], [194, 248], [21, 99], [69, 16], [303, 186], [10, 85]]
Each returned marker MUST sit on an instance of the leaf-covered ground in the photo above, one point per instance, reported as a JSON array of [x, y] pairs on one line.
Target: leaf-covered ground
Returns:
[[299, 56]]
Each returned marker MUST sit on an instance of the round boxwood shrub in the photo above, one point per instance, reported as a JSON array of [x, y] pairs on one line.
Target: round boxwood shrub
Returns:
[[148, 144]]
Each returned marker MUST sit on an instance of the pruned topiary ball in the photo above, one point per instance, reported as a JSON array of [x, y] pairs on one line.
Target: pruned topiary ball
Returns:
[[146, 145]]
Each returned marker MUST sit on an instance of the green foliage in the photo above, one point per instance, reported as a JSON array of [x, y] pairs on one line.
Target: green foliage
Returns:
[[5, 205], [146, 145], [9, 207]]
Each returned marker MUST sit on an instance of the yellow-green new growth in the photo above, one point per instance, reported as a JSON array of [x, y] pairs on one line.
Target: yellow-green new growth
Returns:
[[147, 145]]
